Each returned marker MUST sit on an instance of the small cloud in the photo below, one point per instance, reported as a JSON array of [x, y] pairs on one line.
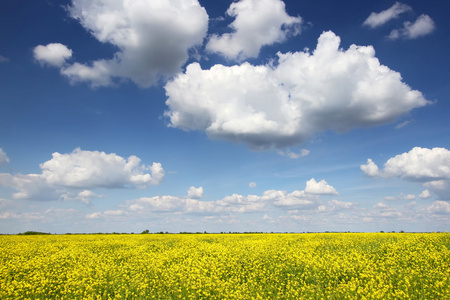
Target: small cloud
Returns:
[[401, 125], [377, 19], [338, 205], [370, 169], [293, 155], [3, 158], [195, 193], [54, 54], [95, 215], [422, 26], [408, 197], [319, 188], [252, 184], [426, 194], [3, 59]]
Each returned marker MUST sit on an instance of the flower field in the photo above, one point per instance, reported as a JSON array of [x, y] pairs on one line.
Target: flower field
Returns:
[[226, 266]]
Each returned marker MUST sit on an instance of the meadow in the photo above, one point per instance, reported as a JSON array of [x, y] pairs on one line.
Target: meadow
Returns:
[[226, 266]]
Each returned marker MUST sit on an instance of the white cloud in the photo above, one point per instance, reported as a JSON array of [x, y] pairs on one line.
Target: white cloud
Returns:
[[54, 54], [408, 197], [95, 215], [3, 59], [235, 203], [3, 158], [431, 167], [252, 184], [286, 102], [153, 38], [337, 205], [93, 169], [29, 186], [294, 155], [382, 210], [195, 193], [69, 177], [22, 217], [370, 169], [401, 125], [83, 196], [378, 19], [421, 164], [439, 207], [426, 194], [257, 23], [422, 26], [319, 188]]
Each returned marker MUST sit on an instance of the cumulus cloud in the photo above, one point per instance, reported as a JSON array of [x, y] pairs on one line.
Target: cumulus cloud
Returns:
[[370, 169], [84, 196], [3, 158], [153, 38], [439, 207], [426, 194], [30, 186], [235, 203], [378, 19], [287, 101], [319, 188], [53, 54], [70, 177], [93, 169], [336, 205], [420, 164], [252, 184], [422, 26], [382, 210], [257, 23], [431, 167], [195, 193]]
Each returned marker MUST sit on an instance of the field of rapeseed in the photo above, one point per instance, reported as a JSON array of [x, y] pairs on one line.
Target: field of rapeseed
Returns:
[[226, 266]]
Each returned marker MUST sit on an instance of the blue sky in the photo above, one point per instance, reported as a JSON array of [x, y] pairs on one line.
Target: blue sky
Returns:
[[189, 115]]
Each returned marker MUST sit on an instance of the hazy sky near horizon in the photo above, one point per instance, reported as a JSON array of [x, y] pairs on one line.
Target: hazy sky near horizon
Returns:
[[249, 115]]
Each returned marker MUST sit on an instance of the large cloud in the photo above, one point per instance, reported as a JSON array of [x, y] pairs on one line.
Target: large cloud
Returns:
[[72, 176], [378, 19], [287, 101], [257, 23], [431, 167], [152, 37]]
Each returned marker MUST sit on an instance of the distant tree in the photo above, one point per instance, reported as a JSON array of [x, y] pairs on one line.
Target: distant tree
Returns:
[[33, 233], [145, 232]]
